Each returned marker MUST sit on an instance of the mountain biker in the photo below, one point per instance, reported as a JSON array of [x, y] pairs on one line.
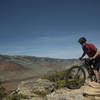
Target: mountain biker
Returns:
[[93, 53]]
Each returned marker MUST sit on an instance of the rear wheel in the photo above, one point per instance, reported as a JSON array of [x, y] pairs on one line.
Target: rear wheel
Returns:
[[75, 77]]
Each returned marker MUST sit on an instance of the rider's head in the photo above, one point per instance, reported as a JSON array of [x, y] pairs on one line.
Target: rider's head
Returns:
[[82, 41]]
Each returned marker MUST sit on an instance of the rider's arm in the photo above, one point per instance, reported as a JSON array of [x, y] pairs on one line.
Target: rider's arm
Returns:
[[83, 55], [96, 54]]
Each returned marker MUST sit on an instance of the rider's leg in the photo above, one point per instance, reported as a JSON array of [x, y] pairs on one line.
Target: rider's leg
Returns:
[[97, 75], [96, 71]]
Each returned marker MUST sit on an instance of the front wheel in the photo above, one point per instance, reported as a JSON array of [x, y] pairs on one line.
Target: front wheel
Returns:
[[75, 77]]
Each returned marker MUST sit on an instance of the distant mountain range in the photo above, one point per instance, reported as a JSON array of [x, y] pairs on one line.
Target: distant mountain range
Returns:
[[32, 61]]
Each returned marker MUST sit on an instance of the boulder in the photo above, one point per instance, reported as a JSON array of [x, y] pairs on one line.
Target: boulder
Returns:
[[92, 91]]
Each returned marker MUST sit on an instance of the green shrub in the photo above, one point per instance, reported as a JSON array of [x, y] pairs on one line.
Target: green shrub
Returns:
[[75, 82], [40, 93], [59, 79], [60, 84], [2, 92], [16, 97], [54, 77]]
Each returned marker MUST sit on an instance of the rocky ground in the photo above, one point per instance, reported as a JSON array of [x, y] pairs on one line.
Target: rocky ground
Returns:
[[44, 90]]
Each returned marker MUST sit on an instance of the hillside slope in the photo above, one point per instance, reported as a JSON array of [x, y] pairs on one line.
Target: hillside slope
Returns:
[[10, 66], [19, 67]]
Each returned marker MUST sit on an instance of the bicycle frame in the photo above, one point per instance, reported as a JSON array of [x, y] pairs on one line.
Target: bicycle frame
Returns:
[[88, 66]]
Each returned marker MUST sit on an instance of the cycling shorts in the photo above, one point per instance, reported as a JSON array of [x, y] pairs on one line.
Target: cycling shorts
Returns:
[[97, 66]]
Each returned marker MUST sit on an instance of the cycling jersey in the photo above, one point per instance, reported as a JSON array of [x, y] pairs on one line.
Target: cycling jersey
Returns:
[[91, 50]]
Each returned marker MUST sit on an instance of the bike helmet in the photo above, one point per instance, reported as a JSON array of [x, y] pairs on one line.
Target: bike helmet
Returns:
[[82, 40]]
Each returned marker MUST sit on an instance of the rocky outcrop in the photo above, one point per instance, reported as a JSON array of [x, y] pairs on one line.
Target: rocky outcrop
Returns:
[[38, 89], [66, 94], [91, 91], [44, 90]]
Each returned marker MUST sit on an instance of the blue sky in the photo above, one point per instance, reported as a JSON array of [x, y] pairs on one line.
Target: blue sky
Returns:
[[48, 28]]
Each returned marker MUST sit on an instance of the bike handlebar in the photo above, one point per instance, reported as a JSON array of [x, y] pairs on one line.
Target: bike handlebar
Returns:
[[85, 59]]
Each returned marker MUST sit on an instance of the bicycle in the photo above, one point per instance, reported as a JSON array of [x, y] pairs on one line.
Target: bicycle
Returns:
[[76, 75]]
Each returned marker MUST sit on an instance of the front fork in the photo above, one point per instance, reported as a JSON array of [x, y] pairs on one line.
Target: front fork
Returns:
[[77, 74]]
